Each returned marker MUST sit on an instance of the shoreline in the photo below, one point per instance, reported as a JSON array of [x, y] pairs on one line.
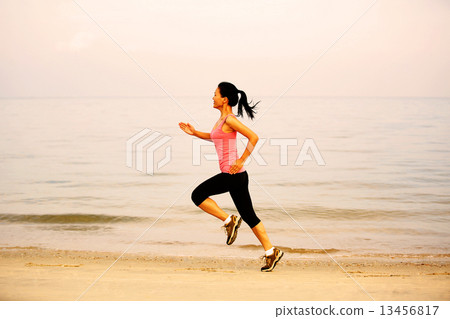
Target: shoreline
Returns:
[[30, 273]]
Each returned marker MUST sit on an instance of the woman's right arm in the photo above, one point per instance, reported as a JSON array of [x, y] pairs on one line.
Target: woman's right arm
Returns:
[[205, 136], [189, 129]]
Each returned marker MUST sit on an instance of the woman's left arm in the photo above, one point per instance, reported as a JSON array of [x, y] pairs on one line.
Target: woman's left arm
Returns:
[[235, 124]]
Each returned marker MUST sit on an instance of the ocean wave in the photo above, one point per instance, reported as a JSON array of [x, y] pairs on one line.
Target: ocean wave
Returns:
[[68, 218]]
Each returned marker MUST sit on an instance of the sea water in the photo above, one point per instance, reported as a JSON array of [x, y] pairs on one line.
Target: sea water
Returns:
[[374, 177]]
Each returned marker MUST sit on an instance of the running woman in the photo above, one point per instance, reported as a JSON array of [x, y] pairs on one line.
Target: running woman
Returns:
[[233, 177]]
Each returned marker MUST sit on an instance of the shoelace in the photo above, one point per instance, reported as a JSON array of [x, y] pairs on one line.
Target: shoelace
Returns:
[[264, 258], [224, 227]]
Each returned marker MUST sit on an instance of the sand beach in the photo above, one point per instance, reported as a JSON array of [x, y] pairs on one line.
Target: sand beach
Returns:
[[30, 273]]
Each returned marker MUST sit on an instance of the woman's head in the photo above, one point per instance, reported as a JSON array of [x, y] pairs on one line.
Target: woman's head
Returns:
[[230, 92]]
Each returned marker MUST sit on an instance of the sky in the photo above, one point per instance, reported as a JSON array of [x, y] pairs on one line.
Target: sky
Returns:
[[96, 48]]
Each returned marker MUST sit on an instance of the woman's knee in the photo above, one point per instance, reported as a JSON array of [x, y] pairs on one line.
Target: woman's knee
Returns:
[[198, 196], [251, 220]]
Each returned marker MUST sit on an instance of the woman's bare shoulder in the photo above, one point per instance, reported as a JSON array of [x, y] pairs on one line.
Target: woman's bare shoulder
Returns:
[[232, 119]]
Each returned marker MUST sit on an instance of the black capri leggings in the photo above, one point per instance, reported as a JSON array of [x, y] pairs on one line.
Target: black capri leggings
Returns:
[[237, 185]]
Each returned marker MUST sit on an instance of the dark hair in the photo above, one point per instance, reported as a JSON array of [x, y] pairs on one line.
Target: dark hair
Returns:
[[231, 92]]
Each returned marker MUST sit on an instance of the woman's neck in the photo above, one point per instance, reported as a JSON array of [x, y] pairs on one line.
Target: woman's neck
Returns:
[[225, 111]]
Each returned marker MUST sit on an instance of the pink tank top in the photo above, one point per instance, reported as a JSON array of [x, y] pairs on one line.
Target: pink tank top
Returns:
[[225, 144]]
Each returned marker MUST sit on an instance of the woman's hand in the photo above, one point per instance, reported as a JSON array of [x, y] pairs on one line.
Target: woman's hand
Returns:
[[236, 166], [187, 128]]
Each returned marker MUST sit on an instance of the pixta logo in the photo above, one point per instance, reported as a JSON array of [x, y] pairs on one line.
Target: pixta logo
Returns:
[[141, 147], [308, 151]]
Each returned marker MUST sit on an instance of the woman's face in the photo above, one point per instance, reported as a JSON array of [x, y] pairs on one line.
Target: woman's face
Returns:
[[218, 99]]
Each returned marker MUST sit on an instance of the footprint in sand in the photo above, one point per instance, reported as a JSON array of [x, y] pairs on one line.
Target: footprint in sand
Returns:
[[51, 265]]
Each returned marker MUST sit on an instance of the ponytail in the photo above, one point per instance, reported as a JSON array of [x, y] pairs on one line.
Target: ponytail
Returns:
[[243, 103], [231, 92]]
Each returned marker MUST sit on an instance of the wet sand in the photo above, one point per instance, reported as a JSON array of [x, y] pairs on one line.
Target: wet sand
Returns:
[[30, 273]]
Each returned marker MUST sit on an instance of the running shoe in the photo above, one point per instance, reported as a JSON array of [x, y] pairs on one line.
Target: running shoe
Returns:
[[231, 228], [272, 260]]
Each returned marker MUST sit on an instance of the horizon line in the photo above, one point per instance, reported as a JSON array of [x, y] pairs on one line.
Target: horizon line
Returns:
[[202, 96]]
